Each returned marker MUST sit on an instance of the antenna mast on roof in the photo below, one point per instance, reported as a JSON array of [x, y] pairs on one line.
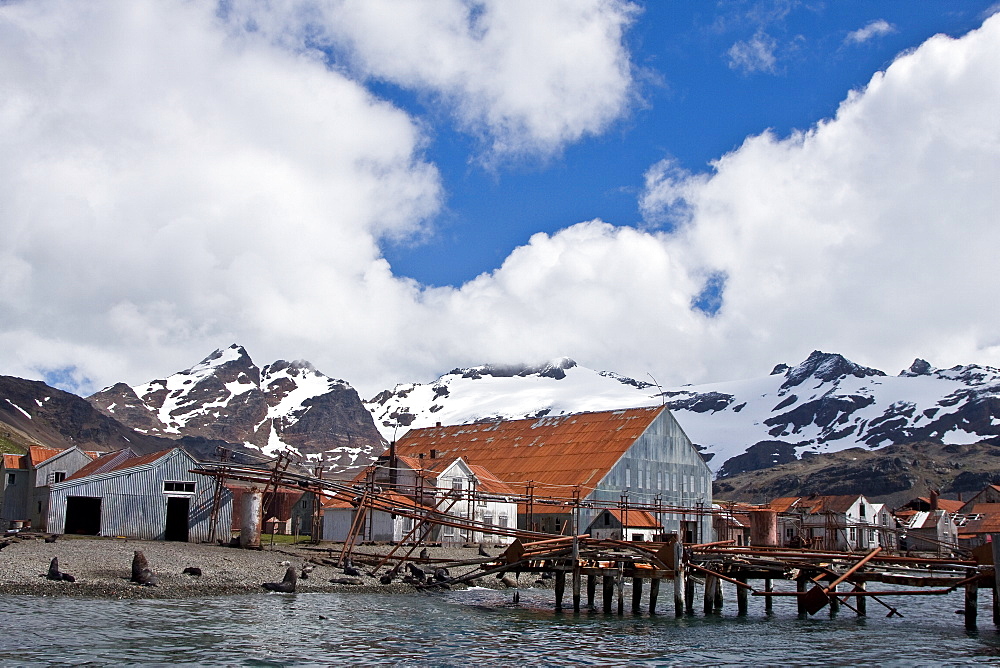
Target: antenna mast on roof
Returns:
[[663, 399]]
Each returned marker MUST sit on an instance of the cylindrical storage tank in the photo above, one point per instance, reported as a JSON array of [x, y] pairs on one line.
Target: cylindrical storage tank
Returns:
[[764, 528], [253, 500]]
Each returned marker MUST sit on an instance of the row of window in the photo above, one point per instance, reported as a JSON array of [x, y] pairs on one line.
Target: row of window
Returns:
[[688, 483]]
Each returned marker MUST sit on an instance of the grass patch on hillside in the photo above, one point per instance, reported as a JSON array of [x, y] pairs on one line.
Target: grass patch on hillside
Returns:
[[9, 447]]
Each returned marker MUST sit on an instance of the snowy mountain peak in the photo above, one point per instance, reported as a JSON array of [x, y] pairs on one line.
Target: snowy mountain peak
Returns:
[[824, 404], [287, 405], [918, 368], [826, 368], [552, 369]]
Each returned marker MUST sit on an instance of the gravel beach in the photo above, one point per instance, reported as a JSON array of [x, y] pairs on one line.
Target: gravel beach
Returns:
[[102, 567]]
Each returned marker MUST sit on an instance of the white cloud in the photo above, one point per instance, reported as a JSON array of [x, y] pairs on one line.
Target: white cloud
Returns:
[[872, 233], [168, 186], [753, 55], [528, 77], [172, 183], [873, 29]]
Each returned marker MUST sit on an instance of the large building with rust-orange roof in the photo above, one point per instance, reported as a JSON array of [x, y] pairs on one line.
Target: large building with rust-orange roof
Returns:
[[640, 455]]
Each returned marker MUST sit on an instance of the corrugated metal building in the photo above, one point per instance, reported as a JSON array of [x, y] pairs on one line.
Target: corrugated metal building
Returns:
[[152, 497], [639, 453], [26, 479]]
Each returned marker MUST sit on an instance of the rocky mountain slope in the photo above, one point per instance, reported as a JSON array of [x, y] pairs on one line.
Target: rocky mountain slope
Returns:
[[893, 474], [226, 397], [32, 412], [826, 403]]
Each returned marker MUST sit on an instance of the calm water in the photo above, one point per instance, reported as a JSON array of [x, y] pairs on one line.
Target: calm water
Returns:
[[475, 627]]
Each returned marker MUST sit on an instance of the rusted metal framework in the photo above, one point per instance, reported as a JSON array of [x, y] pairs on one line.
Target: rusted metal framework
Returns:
[[818, 574]]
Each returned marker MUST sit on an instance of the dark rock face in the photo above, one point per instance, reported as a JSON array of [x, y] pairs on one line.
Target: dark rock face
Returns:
[[227, 398], [61, 420], [702, 403], [825, 412], [762, 455], [825, 367]]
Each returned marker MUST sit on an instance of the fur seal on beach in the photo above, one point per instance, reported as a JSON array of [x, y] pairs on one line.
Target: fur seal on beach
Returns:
[[345, 581], [147, 578], [52, 538], [352, 571], [307, 568], [139, 563], [424, 555], [509, 582], [287, 584], [441, 574], [55, 574], [418, 573], [192, 570], [483, 552]]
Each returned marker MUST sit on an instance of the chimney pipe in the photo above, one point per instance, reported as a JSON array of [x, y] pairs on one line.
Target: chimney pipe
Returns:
[[934, 499]]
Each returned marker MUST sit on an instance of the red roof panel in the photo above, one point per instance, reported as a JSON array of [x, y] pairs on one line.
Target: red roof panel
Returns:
[[556, 453]]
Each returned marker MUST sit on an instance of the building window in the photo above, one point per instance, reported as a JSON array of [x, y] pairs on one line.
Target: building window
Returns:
[[56, 476], [607, 519], [456, 483], [178, 486], [11, 478], [659, 480], [628, 477]]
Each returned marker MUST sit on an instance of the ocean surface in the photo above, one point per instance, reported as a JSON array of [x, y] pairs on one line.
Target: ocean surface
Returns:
[[478, 627]]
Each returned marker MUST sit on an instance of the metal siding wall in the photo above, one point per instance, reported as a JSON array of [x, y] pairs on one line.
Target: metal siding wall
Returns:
[[663, 449], [135, 506]]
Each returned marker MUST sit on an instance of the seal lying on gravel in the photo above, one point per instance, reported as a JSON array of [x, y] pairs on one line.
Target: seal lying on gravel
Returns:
[[55, 574], [192, 570], [287, 585]]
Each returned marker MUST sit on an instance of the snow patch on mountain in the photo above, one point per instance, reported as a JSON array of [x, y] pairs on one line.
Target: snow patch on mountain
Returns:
[[825, 403]]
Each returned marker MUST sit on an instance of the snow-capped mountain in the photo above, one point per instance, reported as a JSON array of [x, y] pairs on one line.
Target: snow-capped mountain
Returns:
[[227, 397], [826, 403]]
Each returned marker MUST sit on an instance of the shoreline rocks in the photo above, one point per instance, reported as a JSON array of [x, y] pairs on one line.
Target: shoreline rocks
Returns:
[[102, 568]]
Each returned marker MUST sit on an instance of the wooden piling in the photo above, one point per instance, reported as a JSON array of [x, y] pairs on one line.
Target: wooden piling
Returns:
[[620, 587], [971, 600], [636, 596], [679, 579], [609, 589], [689, 596], [560, 588], [834, 601], [577, 578], [800, 587], [768, 600], [861, 602], [742, 598], [710, 590], [591, 590], [717, 601], [654, 593]]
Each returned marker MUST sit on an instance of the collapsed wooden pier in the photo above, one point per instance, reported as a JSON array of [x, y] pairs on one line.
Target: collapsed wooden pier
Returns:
[[605, 568], [822, 578]]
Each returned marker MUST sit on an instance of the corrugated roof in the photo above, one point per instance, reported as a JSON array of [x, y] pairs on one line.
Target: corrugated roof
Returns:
[[985, 509], [104, 463], [489, 483], [553, 452], [815, 504], [143, 459], [38, 454], [15, 462], [637, 519]]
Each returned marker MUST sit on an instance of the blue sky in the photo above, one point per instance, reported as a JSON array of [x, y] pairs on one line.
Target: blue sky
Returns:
[[695, 107], [394, 188]]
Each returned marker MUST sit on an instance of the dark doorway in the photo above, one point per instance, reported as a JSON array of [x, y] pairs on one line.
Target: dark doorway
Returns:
[[178, 508], [690, 531], [83, 515]]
